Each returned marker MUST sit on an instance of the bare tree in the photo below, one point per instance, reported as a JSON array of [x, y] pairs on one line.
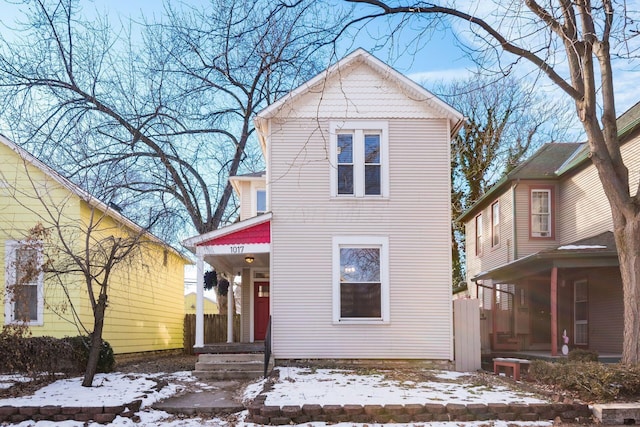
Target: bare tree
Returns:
[[160, 112], [506, 122], [574, 45], [71, 250]]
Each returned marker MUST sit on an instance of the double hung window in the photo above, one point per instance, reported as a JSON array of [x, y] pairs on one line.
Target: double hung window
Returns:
[[361, 280], [581, 312], [478, 239], [541, 214], [360, 153], [23, 283], [495, 224]]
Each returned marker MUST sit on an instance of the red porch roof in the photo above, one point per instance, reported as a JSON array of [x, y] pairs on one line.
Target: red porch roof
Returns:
[[259, 233]]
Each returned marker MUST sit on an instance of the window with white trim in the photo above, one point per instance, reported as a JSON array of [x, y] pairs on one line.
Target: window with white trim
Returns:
[[360, 279], [359, 153], [581, 312], [478, 235], [541, 213], [261, 201], [495, 224], [24, 301]]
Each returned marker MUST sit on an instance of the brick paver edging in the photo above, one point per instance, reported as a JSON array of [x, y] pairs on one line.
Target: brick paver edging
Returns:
[[260, 413], [98, 414]]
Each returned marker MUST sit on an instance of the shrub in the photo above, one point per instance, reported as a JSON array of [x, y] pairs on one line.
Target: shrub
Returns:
[[580, 355], [19, 352], [592, 381], [80, 345]]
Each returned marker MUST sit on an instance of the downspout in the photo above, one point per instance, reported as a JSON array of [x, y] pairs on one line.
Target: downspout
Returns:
[[514, 237]]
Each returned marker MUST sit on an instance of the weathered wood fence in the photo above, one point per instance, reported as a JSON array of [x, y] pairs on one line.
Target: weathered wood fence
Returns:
[[466, 327], [215, 330]]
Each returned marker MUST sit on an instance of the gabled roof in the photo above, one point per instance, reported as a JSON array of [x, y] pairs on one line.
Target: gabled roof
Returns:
[[253, 176], [362, 56], [542, 165], [82, 194], [203, 239], [595, 251]]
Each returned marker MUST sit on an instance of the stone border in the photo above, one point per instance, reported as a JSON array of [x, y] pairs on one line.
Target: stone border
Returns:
[[259, 413], [98, 414]]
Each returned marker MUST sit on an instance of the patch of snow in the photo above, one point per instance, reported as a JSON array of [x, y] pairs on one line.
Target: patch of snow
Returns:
[[7, 381], [573, 247], [298, 386]]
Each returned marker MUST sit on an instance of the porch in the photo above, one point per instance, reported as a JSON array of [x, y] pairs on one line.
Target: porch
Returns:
[[553, 301]]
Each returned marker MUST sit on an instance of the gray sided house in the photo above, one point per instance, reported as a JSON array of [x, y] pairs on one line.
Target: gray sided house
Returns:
[[343, 242], [541, 256]]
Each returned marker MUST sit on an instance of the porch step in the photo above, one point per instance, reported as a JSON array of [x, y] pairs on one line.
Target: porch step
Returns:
[[230, 366]]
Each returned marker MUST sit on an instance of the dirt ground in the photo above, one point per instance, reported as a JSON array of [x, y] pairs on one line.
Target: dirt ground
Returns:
[[151, 363]]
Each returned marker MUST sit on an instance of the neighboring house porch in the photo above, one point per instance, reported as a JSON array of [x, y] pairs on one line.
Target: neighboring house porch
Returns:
[[575, 288]]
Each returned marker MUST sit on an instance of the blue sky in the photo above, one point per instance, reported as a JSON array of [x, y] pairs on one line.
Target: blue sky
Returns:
[[438, 59]]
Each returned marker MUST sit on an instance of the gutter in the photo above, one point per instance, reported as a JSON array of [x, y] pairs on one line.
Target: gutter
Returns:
[[514, 216]]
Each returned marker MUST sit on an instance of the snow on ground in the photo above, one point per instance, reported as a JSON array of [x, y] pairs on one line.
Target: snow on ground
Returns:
[[296, 386]]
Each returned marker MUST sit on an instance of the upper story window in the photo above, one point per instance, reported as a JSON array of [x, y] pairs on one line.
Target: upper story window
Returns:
[[495, 224], [541, 212], [361, 279], [478, 239], [24, 300], [261, 201], [359, 150]]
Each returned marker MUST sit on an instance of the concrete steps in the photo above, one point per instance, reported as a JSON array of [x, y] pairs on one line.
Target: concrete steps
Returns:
[[241, 366]]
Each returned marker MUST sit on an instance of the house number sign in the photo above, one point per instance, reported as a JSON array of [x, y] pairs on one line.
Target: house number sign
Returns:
[[236, 249]]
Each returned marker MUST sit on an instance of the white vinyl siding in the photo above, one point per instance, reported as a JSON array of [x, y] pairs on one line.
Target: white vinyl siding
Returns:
[[416, 218]]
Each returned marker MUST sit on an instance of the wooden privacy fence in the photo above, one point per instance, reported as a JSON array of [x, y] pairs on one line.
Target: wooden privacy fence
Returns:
[[466, 329], [215, 330]]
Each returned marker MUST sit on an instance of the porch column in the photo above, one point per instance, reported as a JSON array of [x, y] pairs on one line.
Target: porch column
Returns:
[[554, 311], [199, 299], [230, 311]]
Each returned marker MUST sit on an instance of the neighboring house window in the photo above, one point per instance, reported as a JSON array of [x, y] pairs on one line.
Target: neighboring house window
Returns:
[[581, 312], [23, 283], [479, 235], [504, 296], [541, 214], [360, 152], [361, 279], [495, 224], [261, 202]]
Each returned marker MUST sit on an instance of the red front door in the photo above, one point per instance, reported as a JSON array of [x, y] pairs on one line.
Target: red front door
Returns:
[[261, 310]]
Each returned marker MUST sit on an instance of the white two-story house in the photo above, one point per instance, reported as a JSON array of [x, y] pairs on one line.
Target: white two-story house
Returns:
[[344, 241]]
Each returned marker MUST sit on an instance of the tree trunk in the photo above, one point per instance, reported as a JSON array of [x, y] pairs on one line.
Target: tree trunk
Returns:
[[96, 341], [628, 242]]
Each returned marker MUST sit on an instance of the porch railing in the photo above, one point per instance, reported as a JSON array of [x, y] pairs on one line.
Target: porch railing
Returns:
[[267, 348]]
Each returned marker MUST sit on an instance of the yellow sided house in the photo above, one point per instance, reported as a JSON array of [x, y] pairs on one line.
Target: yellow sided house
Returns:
[[54, 236]]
